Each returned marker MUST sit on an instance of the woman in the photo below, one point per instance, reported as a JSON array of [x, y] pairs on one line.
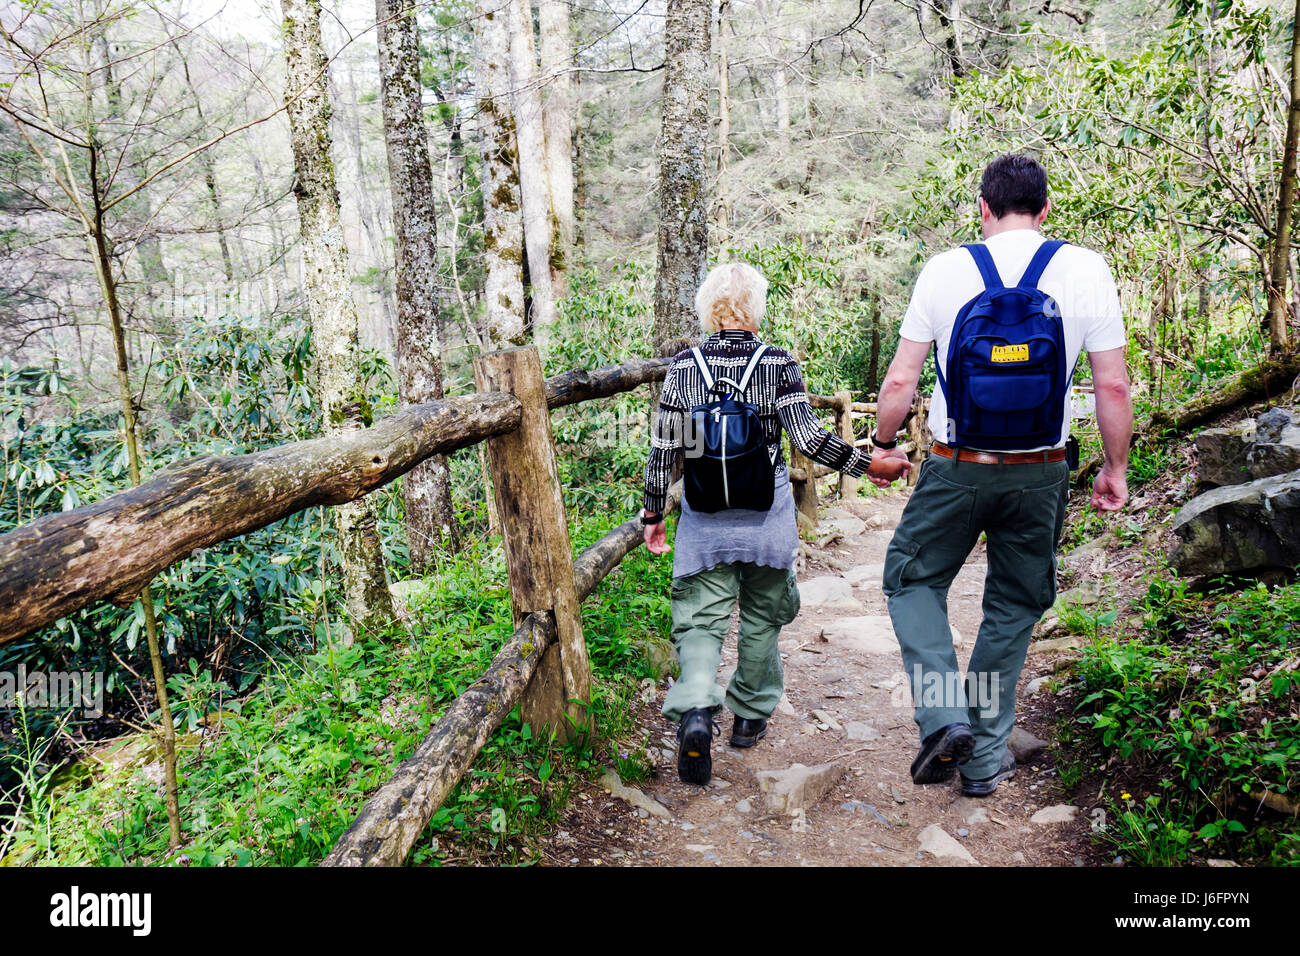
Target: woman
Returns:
[[735, 553]]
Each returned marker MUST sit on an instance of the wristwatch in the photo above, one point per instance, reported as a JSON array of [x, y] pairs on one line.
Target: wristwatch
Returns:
[[647, 520], [885, 445]]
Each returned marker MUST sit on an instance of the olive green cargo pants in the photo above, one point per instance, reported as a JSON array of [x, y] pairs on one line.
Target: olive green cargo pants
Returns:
[[702, 603], [1021, 509]]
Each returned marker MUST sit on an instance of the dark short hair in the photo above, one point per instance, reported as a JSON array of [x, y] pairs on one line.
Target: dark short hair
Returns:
[[1014, 183]]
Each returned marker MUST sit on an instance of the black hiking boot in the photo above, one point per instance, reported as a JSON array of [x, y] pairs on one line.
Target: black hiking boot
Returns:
[[982, 788], [747, 731], [941, 752], [695, 736]]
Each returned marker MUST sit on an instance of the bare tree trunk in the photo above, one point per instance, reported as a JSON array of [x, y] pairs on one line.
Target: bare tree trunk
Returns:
[[534, 190], [949, 12], [426, 491], [683, 171], [209, 168], [556, 47], [369, 216], [721, 208], [1281, 252], [503, 234], [342, 395], [101, 254], [873, 370]]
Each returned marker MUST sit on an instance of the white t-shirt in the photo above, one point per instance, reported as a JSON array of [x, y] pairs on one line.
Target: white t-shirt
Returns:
[[1077, 278]]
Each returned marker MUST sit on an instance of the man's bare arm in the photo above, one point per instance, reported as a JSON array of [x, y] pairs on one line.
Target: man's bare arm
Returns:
[[895, 399], [1115, 420]]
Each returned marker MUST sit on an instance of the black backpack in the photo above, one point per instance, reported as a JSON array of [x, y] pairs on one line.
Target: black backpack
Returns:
[[727, 462]]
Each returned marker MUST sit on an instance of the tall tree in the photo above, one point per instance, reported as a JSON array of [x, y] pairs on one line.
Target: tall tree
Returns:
[[721, 208], [556, 47], [340, 391], [530, 157], [426, 490], [503, 234], [683, 171], [1280, 265]]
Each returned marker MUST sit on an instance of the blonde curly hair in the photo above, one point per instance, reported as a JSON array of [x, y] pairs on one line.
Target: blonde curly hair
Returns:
[[734, 293]]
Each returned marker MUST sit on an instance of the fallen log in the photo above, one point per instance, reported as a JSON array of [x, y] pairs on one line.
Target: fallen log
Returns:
[[396, 814], [1269, 379]]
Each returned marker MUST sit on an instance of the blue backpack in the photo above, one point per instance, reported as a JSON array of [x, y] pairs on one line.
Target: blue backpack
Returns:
[[727, 462], [1007, 380]]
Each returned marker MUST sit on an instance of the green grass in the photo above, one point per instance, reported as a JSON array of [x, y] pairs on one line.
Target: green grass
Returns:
[[274, 776], [1202, 703]]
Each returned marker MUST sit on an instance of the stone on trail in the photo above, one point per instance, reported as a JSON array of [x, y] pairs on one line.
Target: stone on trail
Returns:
[[1035, 685], [1086, 554], [611, 781], [848, 526], [827, 718], [783, 706], [871, 634], [1240, 528], [1085, 595], [1025, 746], [857, 730], [744, 806], [936, 841], [827, 592], [865, 575], [1061, 813], [799, 787], [1056, 644]]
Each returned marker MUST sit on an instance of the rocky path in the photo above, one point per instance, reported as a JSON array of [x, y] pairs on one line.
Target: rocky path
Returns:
[[847, 719]]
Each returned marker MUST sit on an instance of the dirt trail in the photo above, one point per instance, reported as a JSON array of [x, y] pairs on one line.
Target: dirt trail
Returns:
[[874, 815]]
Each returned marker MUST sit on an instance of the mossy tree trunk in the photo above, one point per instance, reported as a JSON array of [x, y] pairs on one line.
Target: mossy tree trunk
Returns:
[[426, 491], [341, 393], [683, 172], [555, 45], [530, 159], [1280, 264], [503, 233]]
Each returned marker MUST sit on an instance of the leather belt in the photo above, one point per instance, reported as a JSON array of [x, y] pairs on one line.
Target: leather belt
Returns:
[[999, 457]]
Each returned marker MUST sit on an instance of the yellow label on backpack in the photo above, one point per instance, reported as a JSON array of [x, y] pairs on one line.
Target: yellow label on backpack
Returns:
[[1010, 353]]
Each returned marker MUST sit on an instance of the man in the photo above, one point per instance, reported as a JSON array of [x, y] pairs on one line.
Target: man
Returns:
[[1015, 494]]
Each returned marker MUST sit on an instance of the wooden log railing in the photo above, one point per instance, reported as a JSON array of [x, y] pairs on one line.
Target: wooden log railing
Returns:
[[109, 550], [804, 473], [392, 819]]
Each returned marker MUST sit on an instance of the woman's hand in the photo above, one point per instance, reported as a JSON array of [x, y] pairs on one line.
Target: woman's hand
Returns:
[[887, 465], [656, 536]]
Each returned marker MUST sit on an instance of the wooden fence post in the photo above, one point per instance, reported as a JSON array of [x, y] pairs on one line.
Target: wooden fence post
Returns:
[[844, 426], [803, 485], [918, 430], [535, 529]]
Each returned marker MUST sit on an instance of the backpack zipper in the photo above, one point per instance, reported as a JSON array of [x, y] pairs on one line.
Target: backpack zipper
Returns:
[[726, 490]]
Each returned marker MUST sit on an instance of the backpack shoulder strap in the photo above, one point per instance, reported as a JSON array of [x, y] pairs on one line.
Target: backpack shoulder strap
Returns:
[[988, 271], [704, 369], [749, 369], [1034, 271]]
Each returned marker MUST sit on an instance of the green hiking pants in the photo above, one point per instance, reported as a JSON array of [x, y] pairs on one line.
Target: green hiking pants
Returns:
[[1021, 510], [702, 603]]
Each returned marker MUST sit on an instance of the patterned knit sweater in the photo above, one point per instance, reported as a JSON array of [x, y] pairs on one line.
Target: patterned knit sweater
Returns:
[[776, 388]]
